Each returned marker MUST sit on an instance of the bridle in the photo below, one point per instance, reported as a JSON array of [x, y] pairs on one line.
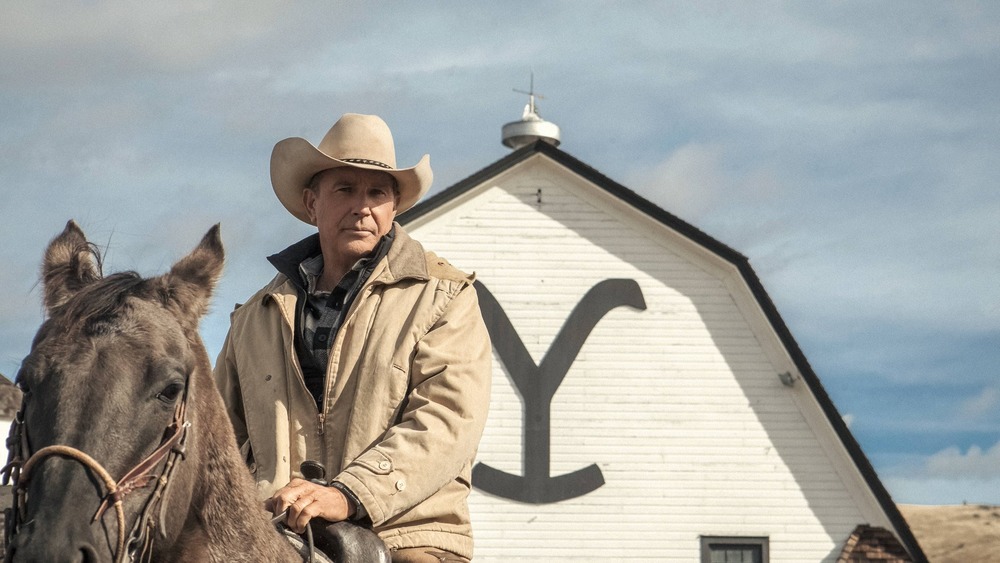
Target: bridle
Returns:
[[138, 542]]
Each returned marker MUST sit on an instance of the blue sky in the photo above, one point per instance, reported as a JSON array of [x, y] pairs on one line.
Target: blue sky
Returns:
[[848, 149]]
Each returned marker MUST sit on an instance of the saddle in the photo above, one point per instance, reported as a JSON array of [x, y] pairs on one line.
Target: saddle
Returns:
[[333, 542], [339, 542]]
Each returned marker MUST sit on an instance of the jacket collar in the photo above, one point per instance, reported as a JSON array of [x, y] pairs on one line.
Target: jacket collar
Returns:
[[404, 260], [287, 261]]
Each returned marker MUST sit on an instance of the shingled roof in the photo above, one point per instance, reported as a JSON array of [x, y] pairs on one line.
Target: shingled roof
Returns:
[[869, 544], [10, 399]]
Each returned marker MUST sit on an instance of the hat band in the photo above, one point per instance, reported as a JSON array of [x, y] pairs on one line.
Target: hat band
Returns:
[[367, 161]]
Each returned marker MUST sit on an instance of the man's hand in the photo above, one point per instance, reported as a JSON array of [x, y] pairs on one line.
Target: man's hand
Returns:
[[305, 501]]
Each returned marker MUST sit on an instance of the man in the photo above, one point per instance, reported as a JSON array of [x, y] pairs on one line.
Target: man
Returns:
[[365, 353]]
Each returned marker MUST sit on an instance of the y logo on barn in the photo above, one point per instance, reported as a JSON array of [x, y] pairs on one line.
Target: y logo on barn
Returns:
[[537, 385]]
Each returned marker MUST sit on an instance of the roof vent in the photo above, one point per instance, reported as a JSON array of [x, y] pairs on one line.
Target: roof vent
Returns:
[[531, 127]]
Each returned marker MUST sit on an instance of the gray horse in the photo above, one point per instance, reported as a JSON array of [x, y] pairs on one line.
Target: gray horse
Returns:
[[122, 450]]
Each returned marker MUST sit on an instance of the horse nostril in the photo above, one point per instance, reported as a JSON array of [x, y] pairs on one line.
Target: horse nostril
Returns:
[[89, 554]]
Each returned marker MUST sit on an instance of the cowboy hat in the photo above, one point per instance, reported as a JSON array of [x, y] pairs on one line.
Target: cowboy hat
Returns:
[[361, 141]]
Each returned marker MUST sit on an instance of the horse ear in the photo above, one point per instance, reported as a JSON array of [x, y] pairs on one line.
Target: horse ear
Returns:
[[68, 267], [190, 282]]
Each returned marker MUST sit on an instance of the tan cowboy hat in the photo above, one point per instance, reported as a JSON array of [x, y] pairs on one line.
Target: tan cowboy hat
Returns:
[[361, 141]]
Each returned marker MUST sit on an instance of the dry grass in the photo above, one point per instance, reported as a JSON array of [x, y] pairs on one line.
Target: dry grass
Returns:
[[956, 534]]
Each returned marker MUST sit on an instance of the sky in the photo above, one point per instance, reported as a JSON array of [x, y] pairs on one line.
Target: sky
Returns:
[[848, 149]]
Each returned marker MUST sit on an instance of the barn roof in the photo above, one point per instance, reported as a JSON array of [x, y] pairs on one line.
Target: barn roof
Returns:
[[723, 251]]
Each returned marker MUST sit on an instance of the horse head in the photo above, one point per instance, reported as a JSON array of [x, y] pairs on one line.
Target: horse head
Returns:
[[115, 376]]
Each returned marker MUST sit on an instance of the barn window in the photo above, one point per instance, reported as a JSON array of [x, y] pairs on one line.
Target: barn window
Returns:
[[733, 550]]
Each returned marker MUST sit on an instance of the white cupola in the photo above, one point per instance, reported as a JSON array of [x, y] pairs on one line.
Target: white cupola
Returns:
[[531, 127]]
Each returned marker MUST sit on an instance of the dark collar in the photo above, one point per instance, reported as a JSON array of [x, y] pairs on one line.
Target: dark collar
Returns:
[[287, 261]]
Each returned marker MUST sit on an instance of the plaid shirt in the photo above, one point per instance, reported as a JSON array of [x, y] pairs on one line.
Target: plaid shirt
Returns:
[[323, 312]]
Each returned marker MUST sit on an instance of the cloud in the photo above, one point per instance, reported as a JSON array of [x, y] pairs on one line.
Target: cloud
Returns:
[[125, 36], [949, 476], [973, 464], [987, 402]]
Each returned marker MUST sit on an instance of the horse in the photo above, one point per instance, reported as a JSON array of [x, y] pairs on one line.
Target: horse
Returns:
[[118, 382]]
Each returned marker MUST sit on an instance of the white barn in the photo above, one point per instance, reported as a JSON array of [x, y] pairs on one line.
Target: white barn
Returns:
[[649, 403]]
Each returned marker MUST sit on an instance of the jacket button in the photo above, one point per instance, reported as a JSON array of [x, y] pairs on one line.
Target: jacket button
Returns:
[[384, 465], [400, 485]]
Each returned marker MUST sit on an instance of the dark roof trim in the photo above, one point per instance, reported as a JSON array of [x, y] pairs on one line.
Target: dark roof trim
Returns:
[[587, 172], [749, 276]]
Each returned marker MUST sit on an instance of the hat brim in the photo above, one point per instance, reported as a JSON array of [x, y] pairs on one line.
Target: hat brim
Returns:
[[295, 161]]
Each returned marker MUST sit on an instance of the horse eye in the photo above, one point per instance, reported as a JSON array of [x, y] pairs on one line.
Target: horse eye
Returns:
[[170, 393]]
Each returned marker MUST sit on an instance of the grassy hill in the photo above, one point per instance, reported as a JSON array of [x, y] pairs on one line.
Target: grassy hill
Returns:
[[956, 534]]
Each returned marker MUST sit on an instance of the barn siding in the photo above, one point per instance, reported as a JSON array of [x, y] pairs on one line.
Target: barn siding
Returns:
[[679, 405]]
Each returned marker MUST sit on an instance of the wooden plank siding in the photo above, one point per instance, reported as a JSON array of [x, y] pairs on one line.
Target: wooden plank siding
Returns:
[[680, 404]]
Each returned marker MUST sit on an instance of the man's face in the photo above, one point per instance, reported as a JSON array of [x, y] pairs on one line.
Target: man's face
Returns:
[[353, 208]]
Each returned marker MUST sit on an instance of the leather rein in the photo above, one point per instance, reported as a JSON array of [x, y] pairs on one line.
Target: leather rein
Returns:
[[138, 542]]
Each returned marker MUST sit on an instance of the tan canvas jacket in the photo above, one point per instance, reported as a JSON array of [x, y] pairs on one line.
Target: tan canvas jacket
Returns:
[[406, 398]]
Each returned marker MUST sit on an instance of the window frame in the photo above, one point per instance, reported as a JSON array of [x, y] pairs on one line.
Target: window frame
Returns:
[[758, 541]]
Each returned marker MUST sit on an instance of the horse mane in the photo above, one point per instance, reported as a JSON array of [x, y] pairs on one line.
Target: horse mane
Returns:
[[97, 306]]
